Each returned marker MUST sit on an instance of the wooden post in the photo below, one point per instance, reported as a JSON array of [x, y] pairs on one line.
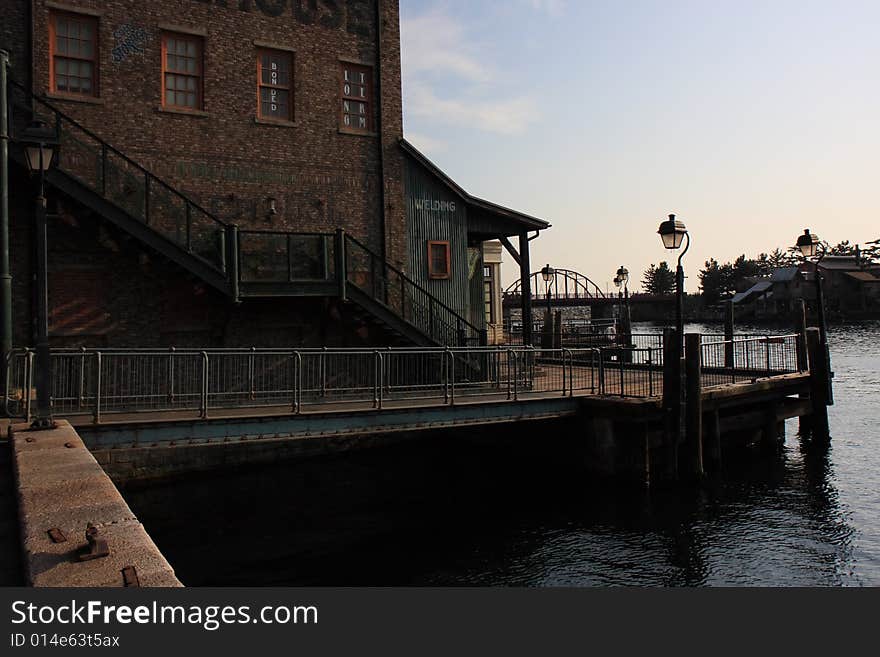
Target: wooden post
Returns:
[[728, 334], [818, 385], [671, 403], [770, 431], [712, 442], [803, 361], [694, 405]]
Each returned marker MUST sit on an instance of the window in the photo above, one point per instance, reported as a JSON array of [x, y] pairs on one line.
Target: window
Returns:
[[356, 97], [488, 294], [274, 84], [182, 71], [74, 54], [438, 260]]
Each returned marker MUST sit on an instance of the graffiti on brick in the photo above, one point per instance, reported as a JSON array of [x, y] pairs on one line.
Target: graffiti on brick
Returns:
[[130, 40], [353, 15]]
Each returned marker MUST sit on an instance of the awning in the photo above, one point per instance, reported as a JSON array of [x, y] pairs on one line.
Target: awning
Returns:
[[486, 220]]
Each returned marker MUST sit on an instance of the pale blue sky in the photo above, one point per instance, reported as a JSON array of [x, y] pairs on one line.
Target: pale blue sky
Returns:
[[750, 120]]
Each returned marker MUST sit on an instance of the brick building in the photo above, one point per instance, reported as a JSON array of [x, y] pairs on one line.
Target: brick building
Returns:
[[233, 172]]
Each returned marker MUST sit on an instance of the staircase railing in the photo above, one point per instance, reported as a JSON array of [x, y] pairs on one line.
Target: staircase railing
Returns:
[[238, 256], [390, 287], [117, 178]]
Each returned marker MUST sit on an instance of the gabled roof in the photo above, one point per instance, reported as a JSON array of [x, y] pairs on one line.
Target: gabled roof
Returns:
[[784, 274], [519, 220], [755, 291], [862, 276], [839, 263]]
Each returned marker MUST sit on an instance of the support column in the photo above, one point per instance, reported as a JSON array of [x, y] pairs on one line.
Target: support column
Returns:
[[694, 407], [819, 383], [671, 404], [803, 361], [712, 442], [525, 274]]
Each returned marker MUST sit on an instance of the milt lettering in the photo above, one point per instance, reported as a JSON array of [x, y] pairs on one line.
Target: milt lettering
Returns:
[[354, 15], [436, 206]]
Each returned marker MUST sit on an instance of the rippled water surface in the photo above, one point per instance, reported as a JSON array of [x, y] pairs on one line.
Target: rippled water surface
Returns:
[[485, 509]]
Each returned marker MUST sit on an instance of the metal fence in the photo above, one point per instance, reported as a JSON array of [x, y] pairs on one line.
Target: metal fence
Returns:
[[730, 361], [105, 382], [100, 383]]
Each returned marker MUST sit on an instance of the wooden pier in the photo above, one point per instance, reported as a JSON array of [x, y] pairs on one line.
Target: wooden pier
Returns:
[[638, 416]]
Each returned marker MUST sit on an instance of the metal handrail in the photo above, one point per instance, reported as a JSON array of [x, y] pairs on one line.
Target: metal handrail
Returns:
[[115, 151], [440, 321], [411, 282]]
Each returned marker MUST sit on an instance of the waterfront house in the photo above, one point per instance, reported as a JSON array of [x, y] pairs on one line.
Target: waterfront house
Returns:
[[235, 174], [851, 289]]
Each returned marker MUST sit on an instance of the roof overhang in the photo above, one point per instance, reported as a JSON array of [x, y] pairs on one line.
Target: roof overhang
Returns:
[[486, 220]]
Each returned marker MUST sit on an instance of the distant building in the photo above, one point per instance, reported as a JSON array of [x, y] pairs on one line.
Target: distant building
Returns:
[[851, 289]]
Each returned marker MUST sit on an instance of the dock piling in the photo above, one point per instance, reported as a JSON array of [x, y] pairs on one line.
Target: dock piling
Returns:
[[819, 385], [693, 405]]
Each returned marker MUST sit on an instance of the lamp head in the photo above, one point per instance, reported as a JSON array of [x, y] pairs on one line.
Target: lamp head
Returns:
[[672, 232], [808, 244], [39, 145]]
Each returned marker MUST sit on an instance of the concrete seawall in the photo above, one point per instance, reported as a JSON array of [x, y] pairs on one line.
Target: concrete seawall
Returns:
[[62, 487]]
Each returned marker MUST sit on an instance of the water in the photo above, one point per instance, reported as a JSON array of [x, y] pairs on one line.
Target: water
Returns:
[[476, 508]]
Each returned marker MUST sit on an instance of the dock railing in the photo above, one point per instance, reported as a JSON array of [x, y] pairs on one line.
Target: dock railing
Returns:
[[743, 359], [110, 382]]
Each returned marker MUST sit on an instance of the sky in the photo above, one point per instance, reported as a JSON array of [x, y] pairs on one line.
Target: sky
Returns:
[[749, 120]]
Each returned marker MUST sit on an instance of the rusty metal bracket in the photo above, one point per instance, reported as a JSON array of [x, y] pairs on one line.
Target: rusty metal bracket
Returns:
[[97, 547], [57, 535], [130, 577]]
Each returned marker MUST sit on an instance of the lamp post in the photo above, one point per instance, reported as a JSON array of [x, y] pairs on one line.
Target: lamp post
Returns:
[[39, 143], [808, 245], [623, 277], [619, 328], [547, 273], [673, 232]]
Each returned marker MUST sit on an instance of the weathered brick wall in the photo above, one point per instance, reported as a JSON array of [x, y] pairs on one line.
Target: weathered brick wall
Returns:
[[321, 177]]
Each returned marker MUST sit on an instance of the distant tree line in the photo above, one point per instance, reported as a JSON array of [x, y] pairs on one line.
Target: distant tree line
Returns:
[[721, 281]]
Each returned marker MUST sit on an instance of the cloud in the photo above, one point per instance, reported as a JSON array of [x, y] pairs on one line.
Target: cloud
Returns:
[[506, 116], [552, 7], [448, 77], [435, 42], [427, 144]]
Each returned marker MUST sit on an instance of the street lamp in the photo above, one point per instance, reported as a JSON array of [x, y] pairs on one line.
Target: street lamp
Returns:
[[40, 142], [673, 232], [547, 273], [626, 324], [808, 244]]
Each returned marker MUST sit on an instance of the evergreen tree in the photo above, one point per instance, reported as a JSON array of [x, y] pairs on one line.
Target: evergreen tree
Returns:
[[659, 279]]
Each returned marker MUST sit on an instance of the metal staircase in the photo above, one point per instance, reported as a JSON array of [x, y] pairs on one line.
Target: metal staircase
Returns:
[[240, 263]]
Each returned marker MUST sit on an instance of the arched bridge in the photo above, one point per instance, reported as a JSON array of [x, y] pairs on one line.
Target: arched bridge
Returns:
[[565, 287], [568, 288]]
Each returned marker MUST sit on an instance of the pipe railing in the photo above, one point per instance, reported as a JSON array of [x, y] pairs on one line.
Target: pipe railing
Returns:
[[193, 382], [731, 361]]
